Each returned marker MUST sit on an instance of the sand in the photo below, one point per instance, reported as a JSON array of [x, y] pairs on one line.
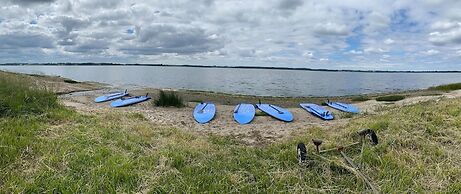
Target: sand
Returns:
[[262, 130]]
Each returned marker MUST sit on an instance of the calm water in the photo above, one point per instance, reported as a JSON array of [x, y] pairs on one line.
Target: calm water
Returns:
[[247, 81]]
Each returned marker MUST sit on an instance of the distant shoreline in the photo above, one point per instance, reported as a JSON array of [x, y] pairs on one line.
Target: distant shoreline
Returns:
[[221, 67]]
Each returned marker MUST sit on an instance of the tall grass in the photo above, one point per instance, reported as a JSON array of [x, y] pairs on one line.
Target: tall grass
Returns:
[[23, 108], [167, 99], [391, 98], [447, 87], [19, 96], [360, 98]]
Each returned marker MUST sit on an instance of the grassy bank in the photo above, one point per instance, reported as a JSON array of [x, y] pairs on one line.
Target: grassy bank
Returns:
[[447, 87], [60, 150]]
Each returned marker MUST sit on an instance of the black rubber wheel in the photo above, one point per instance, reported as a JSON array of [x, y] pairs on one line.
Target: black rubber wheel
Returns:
[[302, 153], [372, 137]]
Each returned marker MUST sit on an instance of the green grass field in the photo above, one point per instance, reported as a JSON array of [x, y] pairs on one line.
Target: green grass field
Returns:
[[59, 150]]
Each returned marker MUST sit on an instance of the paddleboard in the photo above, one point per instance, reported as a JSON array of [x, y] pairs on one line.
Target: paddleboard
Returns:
[[318, 111], [129, 101], [110, 97], [343, 107], [276, 112], [204, 112], [244, 113]]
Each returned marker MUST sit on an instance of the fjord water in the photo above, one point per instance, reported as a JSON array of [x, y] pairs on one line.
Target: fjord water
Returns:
[[260, 82]]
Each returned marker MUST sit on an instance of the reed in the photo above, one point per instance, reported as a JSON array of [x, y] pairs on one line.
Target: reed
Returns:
[[167, 99]]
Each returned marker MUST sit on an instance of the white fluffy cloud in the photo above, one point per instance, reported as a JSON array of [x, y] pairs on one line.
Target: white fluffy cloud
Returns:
[[298, 33]]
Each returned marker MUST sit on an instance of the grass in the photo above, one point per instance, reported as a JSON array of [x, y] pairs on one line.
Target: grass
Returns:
[[71, 81], [62, 151], [447, 87], [167, 99], [19, 96], [360, 98], [391, 98]]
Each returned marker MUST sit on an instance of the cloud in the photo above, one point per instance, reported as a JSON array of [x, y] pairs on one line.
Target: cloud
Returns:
[[388, 41], [356, 52], [290, 4], [26, 2], [20, 40], [331, 29], [219, 32], [158, 39], [375, 50], [308, 54], [430, 52], [449, 36]]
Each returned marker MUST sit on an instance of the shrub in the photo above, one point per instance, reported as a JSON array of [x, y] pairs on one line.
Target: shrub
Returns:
[[391, 98], [19, 96], [360, 98], [71, 81], [447, 87], [167, 99]]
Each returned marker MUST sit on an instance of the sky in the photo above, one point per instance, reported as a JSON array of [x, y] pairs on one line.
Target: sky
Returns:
[[346, 34]]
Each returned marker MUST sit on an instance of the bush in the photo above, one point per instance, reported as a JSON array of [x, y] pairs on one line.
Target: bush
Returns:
[[169, 99], [19, 96], [392, 98], [360, 98], [447, 87], [69, 81]]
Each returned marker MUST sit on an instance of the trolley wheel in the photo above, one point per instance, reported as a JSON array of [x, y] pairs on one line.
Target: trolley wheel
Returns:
[[302, 153]]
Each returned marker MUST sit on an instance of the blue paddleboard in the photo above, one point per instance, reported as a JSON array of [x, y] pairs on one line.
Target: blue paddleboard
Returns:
[[204, 112], [276, 112], [343, 107], [244, 113], [318, 111], [109, 97], [129, 101]]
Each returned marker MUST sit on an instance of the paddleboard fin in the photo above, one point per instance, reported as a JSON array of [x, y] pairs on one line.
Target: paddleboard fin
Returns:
[[201, 110], [237, 109]]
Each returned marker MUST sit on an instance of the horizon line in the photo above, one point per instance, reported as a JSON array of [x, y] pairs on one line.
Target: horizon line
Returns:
[[231, 67]]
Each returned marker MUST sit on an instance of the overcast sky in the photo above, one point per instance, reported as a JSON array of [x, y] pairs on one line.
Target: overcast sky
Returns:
[[345, 34]]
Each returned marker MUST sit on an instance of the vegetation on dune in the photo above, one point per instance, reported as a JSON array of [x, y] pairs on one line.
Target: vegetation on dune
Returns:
[[447, 87], [167, 99], [19, 96], [360, 98], [391, 98], [70, 81], [61, 150]]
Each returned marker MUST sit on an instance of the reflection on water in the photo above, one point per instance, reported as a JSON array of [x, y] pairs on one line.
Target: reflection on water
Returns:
[[261, 82]]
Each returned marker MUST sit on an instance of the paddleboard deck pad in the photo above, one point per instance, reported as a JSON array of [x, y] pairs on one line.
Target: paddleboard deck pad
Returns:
[[276, 112], [244, 113], [318, 111], [129, 101], [110, 97], [343, 107], [204, 112]]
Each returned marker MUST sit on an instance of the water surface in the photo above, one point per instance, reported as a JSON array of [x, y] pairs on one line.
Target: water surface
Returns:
[[261, 82]]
